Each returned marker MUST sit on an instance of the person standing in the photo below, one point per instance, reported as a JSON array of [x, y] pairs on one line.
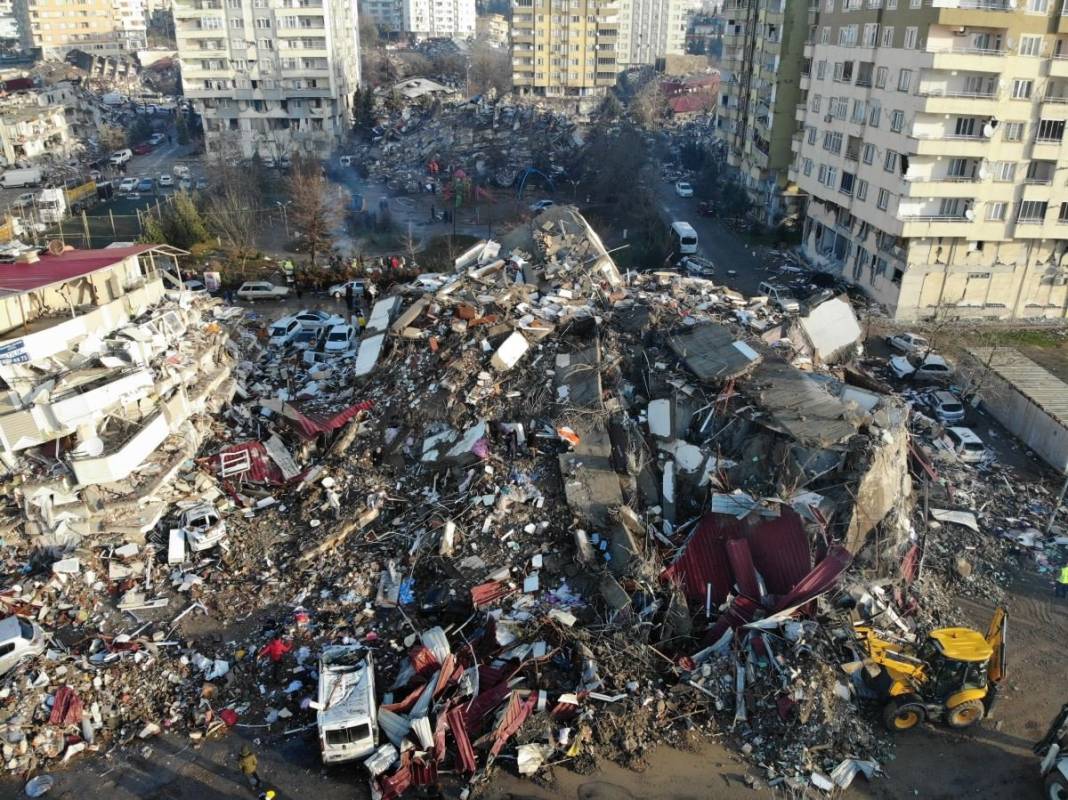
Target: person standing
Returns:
[[249, 766], [348, 297], [276, 650], [1062, 582]]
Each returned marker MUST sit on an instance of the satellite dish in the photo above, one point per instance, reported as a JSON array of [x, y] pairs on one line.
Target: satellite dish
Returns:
[[91, 447], [56, 247], [969, 214], [988, 130]]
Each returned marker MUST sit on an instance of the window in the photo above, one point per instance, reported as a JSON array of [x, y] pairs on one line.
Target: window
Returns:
[[1021, 89], [904, 80], [838, 71], [874, 116], [811, 135], [832, 142], [910, 38], [881, 75], [1014, 131], [869, 154], [263, 22], [996, 212], [1037, 6], [1062, 215], [965, 127], [859, 112], [267, 44], [1032, 211], [883, 201], [806, 166], [890, 161], [825, 35], [1050, 130], [828, 6], [871, 34], [862, 190], [821, 177], [891, 5], [897, 121], [1030, 45], [817, 101], [846, 186], [821, 70], [832, 177], [888, 36], [915, 3], [1004, 171]]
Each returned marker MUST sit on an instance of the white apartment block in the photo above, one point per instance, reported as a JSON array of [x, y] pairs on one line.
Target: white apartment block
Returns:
[[652, 29], [98, 27], [931, 144], [273, 77], [387, 14], [439, 18]]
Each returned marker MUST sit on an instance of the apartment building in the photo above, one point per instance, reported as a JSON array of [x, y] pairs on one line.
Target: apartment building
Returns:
[[652, 29], [387, 14], [28, 132], [439, 19], [931, 143], [492, 28], [274, 77], [564, 48], [97, 27], [763, 49]]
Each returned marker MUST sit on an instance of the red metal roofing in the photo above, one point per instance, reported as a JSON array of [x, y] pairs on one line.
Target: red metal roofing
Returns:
[[514, 717], [64, 267], [688, 103], [308, 426], [262, 468], [819, 580], [458, 728], [741, 561]]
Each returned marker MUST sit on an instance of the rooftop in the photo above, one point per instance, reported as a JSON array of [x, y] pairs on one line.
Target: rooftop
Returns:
[[1042, 387], [51, 269]]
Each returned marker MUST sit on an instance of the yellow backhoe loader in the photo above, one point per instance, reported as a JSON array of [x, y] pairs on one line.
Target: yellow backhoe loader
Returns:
[[952, 676]]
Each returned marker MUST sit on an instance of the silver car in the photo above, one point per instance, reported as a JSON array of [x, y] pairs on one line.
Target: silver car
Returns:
[[19, 639]]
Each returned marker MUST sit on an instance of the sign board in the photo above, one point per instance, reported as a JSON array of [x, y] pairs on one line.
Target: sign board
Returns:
[[212, 281]]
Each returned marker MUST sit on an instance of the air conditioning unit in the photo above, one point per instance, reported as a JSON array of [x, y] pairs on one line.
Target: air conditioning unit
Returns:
[[960, 31], [829, 118]]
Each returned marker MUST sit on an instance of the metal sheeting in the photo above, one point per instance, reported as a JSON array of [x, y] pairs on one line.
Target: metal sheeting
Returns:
[[799, 407], [1040, 386], [262, 468], [712, 353]]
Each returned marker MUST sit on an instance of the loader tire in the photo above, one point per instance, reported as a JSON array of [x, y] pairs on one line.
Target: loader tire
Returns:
[[965, 715], [902, 715], [1056, 786]]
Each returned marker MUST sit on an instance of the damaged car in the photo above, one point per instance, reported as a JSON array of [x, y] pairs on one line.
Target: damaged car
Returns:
[[203, 527]]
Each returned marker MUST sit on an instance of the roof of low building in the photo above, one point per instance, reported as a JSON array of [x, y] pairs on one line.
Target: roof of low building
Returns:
[[1039, 385], [51, 269]]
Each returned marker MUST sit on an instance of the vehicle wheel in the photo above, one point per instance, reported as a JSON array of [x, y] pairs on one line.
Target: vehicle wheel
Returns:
[[966, 714], [1056, 786], [902, 716]]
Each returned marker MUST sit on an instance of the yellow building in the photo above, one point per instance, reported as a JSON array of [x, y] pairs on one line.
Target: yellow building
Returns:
[[97, 27], [564, 48]]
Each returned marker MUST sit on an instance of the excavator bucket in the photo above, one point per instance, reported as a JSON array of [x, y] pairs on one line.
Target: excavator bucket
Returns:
[[995, 636]]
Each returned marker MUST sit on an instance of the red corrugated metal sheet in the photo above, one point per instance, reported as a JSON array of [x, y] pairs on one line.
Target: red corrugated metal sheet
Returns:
[[703, 561], [513, 719], [487, 700], [64, 267], [910, 564], [689, 103], [423, 661], [486, 593], [399, 782], [261, 470], [441, 725], [424, 771], [780, 551], [820, 579], [741, 561], [405, 705], [308, 426], [458, 728], [66, 708]]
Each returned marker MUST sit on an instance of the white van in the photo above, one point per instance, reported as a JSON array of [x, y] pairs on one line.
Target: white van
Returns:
[[120, 157], [346, 714], [683, 238], [284, 331]]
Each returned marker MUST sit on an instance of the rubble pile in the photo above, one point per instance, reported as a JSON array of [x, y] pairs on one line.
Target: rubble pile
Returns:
[[559, 514]]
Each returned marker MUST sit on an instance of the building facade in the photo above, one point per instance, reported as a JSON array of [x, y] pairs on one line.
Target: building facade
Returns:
[[29, 132], [564, 52], [652, 29], [763, 48], [931, 145], [97, 27], [387, 14], [273, 77], [439, 19], [492, 28]]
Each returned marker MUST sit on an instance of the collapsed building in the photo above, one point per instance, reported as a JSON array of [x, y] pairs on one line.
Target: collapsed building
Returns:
[[573, 514]]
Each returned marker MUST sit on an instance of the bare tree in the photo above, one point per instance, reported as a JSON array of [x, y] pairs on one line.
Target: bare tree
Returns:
[[232, 206], [314, 214], [491, 68], [649, 106]]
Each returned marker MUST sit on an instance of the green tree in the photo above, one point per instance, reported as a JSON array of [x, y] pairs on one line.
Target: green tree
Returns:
[[179, 224], [139, 130]]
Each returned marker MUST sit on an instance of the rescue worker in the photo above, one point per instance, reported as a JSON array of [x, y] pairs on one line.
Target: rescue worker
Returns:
[[249, 766], [1062, 582], [275, 650]]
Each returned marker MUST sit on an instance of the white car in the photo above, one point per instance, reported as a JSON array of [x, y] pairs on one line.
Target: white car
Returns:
[[127, 185], [699, 267], [908, 343], [316, 320], [284, 331], [339, 339], [203, 527], [541, 205], [19, 639], [261, 290], [120, 157], [337, 291], [931, 368], [683, 189], [156, 139], [968, 447], [779, 297], [166, 181]]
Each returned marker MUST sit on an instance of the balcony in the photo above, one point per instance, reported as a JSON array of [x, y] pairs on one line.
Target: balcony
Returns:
[[1058, 66], [933, 225], [969, 59], [951, 101], [951, 145]]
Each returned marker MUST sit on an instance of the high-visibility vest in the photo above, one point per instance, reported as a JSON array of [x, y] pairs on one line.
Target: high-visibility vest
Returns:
[[1063, 578]]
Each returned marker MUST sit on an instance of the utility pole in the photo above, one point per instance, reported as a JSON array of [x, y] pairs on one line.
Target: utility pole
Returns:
[[1057, 505]]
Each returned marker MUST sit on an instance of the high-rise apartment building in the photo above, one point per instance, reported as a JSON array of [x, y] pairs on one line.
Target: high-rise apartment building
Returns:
[[439, 18], [97, 27], [274, 77], [652, 29], [763, 47], [387, 14], [931, 143], [564, 48]]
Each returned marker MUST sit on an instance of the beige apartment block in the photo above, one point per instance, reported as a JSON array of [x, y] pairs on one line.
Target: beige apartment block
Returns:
[[97, 27], [931, 142], [270, 77], [564, 48]]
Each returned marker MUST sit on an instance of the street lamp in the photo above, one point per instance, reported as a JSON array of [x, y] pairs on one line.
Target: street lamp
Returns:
[[285, 216]]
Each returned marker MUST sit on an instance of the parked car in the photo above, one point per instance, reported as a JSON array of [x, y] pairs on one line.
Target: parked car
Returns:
[[146, 185], [701, 267], [165, 181], [200, 183], [203, 527], [185, 184], [946, 406], [157, 139], [780, 297], [339, 339], [19, 639], [128, 185], [120, 157], [283, 331], [24, 199], [261, 290], [683, 189], [345, 708], [316, 320], [931, 368], [194, 286], [541, 205], [142, 149], [968, 447], [908, 343], [337, 291], [304, 339], [181, 170]]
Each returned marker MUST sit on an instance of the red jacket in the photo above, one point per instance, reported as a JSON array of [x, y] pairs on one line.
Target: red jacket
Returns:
[[275, 649]]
